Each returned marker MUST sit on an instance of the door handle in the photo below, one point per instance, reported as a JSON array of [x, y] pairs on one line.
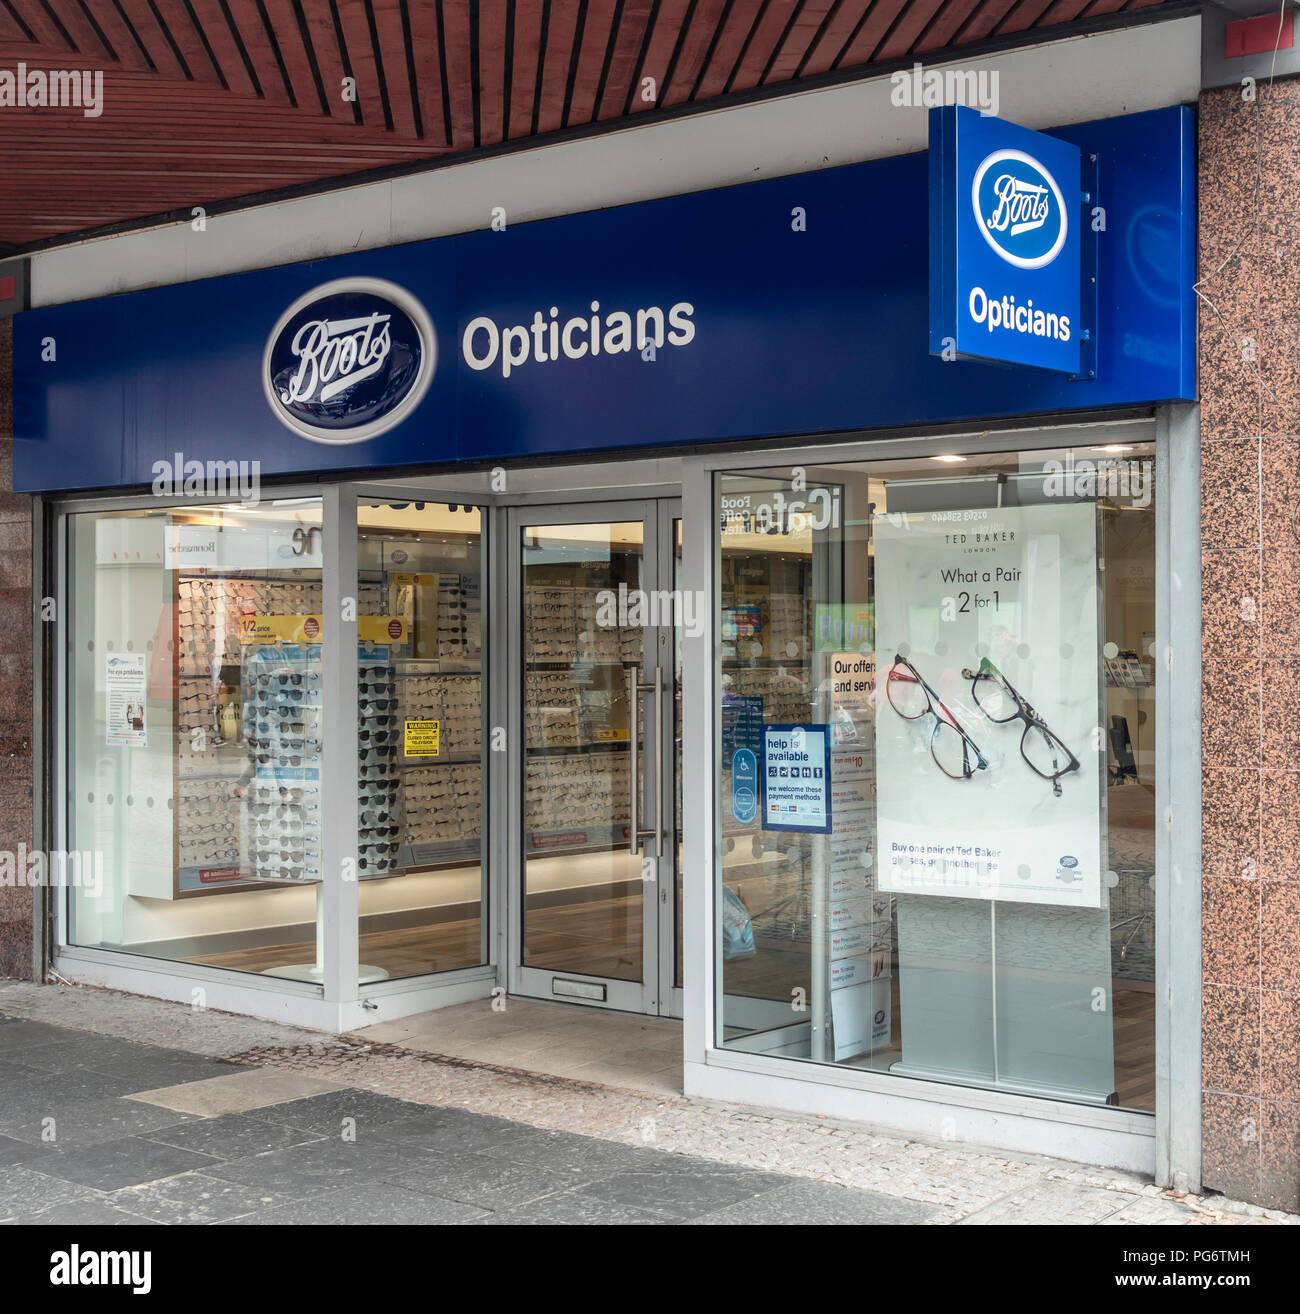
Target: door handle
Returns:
[[636, 688]]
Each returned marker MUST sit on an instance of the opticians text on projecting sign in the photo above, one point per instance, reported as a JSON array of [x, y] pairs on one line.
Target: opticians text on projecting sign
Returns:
[[1007, 241]]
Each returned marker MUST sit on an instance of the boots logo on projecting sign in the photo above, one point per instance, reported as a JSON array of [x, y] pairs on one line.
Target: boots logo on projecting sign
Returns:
[[1006, 253], [349, 360], [1019, 209]]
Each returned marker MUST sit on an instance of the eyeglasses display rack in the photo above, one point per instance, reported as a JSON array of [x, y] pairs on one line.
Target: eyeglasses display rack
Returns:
[[207, 653], [282, 731], [378, 825], [425, 811], [577, 781]]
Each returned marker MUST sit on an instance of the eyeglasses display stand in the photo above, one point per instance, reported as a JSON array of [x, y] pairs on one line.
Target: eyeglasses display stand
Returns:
[[378, 824], [282, 816], [206, 654]]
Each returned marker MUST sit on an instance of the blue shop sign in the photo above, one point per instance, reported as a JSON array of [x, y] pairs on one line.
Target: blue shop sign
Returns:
[[789, 307], [1009, 227], [349, 360]]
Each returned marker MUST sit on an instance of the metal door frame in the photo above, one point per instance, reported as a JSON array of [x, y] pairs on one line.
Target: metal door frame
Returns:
[[647, 996]]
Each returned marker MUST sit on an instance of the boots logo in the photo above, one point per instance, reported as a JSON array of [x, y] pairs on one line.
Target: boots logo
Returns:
[[1019, 209], [349, 360]]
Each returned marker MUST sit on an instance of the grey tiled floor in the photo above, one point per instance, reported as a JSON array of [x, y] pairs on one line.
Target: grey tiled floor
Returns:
[[86, 1137]]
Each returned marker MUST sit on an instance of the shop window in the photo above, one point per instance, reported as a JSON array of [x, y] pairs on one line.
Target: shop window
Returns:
[[195, 735], [422, 779], [936, 849]]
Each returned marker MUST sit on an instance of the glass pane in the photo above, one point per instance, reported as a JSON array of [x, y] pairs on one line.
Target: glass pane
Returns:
[[581, 632], [194, 765], [968, 644], [420, 712]]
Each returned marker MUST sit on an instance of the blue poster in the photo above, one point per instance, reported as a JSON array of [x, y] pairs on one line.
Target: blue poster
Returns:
[[744, 786], [742, 723], [797, 778]]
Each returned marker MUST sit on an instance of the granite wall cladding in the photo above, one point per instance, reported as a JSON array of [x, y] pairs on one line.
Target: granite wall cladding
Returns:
[[15, 681], [1250, 539]]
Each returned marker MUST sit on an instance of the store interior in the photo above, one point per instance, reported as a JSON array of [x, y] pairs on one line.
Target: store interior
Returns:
[[780, 579]]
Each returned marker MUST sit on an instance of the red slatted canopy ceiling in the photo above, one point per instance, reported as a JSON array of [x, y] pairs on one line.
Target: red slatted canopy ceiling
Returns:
[[208, 100]]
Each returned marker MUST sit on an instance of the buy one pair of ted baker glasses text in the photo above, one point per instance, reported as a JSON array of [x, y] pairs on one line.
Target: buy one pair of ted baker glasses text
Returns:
[[955, 753]]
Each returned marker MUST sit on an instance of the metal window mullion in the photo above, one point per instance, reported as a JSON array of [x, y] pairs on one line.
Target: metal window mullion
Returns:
[[1178, 799], [338, 901], [701, 725]]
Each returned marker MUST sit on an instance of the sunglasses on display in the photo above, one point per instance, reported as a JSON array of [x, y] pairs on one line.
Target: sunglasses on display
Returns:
[[1041, 749], [954, 752]]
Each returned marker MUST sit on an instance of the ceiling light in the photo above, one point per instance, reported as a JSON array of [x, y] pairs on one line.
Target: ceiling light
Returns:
[[948, 459], [1112, 447]]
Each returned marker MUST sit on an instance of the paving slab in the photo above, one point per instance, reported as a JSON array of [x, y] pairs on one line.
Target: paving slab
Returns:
[[233, 1136], [128, 1162], [25, 1191], [81, 1213], [365, 1205], [87, 1122], [1050, 1202], [440, 1129], [339, 1112], [815, 1204], [681, 1188], [479, 1179], [255, 1088], [305, 1170], [573, 1209], [195, 1198]]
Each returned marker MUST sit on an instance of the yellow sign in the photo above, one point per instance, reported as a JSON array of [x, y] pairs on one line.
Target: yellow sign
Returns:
[[421, 738], [381, 629], [280, 629], [610, 736], [423, 580], [309, 629]]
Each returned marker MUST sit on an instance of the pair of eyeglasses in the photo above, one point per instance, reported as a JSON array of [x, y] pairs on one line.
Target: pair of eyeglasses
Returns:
[[377, 705], [1042, 750], [286, 792], [291, 695], [378, 736], [955, 753]]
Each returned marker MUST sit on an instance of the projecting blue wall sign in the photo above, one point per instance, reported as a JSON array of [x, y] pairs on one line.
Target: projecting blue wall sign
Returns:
[[702, 318], [1010, 235]]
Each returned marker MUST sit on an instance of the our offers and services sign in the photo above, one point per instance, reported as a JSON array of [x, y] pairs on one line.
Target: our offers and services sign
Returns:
[[1007, 226]]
